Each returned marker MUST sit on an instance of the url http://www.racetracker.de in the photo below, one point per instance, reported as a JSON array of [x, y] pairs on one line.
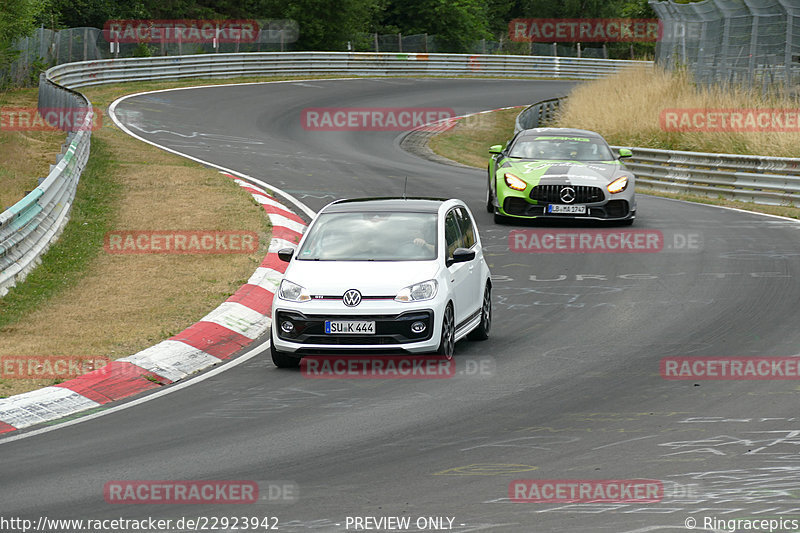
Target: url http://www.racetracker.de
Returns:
[[143, 525]]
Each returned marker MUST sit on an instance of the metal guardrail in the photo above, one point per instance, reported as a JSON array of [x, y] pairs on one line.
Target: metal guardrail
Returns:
[[29, 227], [748, 178], [538, 114], [330, 63]]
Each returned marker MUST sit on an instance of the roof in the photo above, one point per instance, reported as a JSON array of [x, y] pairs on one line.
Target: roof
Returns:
[[394, 204], [533, 132]]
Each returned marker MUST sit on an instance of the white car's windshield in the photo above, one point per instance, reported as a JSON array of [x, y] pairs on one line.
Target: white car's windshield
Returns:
[[568, 148], [371, 236]]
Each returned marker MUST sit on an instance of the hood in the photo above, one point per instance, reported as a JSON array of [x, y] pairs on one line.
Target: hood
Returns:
[[371, 278], [537, 172]]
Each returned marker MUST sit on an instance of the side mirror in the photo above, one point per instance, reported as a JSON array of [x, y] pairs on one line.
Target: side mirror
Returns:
[[496, 149], [285, 254], [625, 152], [460, 255]]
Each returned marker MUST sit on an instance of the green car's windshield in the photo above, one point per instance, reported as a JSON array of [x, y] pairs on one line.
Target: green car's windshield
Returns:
[[568, 148], [371, 236]]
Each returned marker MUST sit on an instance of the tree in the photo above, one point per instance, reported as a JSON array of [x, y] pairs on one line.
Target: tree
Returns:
[[326, 25], [17, 18], [457, 24]]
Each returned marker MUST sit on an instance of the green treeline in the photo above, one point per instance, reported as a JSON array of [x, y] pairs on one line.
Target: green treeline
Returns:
[[324, 24]]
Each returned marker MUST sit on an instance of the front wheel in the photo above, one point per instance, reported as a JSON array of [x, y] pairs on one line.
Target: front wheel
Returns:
[[447, 344], [489, 200], [481, 333]]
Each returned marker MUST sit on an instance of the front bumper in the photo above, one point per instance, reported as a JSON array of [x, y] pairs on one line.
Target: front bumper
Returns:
[[600, 205], [610, 210], [393, 332]]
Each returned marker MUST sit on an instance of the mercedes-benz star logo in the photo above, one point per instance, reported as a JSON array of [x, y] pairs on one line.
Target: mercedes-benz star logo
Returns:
[[567, 195], [351, 298]]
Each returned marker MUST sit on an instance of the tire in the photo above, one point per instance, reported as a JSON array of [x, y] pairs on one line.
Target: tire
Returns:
[[489, 200], [447, 343], [481, 333], [282, 359]]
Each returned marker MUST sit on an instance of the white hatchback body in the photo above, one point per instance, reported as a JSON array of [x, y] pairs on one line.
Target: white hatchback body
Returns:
[[379, 305]]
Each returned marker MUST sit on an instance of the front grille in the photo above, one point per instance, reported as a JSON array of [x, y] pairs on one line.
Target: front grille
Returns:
[[551, 194]]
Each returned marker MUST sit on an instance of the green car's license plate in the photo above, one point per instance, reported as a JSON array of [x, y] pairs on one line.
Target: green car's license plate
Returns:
[[567, 209]]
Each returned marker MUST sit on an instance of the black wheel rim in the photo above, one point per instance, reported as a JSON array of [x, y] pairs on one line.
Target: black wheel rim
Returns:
[[448, 334], [486, 312]]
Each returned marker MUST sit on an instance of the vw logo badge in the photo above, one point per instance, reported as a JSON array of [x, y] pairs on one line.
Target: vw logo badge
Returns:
[[567, 195], [351, 298]]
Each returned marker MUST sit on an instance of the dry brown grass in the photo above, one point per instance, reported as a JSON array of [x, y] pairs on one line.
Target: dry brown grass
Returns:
[[469, 140], [625, 108], [24, 155], [125, 303]]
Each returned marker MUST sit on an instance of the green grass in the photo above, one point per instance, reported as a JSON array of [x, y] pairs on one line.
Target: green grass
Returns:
[[92, 215]]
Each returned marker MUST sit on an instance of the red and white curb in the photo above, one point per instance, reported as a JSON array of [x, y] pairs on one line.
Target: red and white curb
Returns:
[[236, 323], [445, 124]]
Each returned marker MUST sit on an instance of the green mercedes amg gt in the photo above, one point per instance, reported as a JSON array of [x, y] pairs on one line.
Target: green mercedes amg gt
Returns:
[[560, 173]]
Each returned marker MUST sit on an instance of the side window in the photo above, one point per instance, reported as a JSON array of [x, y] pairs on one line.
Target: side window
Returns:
[[452, 235], [466, 227]]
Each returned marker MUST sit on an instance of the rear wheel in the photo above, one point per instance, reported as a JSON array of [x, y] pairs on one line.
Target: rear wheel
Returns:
[[481, 333], [282, 359], [447, 344]]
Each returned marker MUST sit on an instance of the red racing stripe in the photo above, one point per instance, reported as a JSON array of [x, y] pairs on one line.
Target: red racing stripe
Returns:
[[213, 339], [256, 298], [114, 381]]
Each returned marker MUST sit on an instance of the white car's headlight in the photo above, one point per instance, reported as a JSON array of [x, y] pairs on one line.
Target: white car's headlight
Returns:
[[293, 292], [417, 292]]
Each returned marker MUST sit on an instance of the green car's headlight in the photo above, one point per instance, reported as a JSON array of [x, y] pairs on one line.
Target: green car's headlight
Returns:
[[514, 182], [618, 185]]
